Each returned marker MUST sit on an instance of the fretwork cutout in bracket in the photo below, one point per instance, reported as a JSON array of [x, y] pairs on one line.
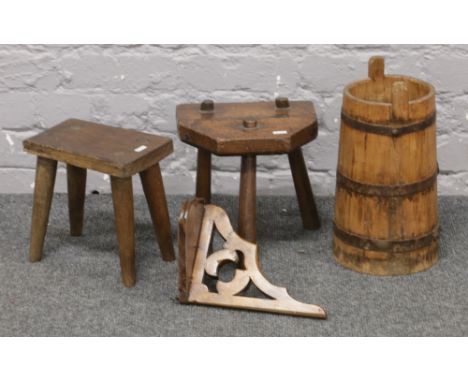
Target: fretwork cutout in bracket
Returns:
[[197, 223]]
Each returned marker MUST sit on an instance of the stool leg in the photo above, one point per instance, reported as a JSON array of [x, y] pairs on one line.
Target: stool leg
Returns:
[[153, 187], [43, 192], [203, 187], [247, 198], [305, 197], [122, 196], [76, 182]]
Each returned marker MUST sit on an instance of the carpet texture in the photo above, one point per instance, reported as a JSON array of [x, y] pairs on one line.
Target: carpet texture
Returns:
[[76, 290]]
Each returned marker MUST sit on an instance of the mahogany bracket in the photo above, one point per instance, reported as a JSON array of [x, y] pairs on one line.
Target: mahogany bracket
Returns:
[[197, 224]]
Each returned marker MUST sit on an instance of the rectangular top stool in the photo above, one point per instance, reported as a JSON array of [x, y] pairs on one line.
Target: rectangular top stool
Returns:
[[117, 152]]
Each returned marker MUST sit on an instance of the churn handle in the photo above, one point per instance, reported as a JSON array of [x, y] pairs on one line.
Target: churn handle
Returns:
[[376, 68], [400, 101]]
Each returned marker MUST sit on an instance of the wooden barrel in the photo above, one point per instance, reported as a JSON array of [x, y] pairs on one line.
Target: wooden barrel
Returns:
[[386, 220]]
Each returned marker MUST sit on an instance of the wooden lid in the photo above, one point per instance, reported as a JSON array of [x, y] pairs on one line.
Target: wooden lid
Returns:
[[247, 128]]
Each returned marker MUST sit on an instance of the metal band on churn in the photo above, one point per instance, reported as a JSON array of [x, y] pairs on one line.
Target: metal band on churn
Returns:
[[392, 130], [393, 246], [386, 214], [386, 190]]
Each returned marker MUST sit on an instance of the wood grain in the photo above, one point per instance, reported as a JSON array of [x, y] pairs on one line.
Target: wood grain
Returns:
[[248, 129], [153, 188], [114, 151], [122, 196], [223, 132], [196, 226], [76, 184], [383, 162], [189, 226], [305, 196], [111, 150], [248, 198], [43, 193], [203, 182]]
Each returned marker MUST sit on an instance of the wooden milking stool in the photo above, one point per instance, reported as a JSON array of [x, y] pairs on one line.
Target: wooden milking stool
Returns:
[[248, 130], [386, 191], [118, 152]]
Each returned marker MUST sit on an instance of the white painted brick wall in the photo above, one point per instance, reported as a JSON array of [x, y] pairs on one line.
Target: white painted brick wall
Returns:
[[139, 87]]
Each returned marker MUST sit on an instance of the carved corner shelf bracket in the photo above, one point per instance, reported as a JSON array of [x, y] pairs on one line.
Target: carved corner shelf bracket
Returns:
[[197, 224]]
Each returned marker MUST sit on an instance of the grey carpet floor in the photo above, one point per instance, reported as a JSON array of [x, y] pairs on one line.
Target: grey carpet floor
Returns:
[[76, 290]]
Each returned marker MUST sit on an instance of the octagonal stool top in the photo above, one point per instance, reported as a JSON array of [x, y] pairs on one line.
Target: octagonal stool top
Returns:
[[271, 127]]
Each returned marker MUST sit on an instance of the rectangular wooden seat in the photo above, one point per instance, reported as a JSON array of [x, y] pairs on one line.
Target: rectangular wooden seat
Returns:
[[117, 152], [111, 150]]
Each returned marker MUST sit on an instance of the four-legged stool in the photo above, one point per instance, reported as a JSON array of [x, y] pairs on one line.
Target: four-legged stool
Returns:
[[248, 130], [118, 152]]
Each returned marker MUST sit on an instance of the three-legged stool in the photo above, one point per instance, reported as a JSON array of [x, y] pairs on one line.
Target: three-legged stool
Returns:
[[248, 130], [117, 152]]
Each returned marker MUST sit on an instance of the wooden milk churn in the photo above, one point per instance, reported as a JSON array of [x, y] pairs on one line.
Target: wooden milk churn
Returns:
[[386, 220]]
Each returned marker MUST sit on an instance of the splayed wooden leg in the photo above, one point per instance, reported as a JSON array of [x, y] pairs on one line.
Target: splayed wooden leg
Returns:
[[122, 196], [203, 186], [153, 187], [305, 196], [43, 193], [76, 182]]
